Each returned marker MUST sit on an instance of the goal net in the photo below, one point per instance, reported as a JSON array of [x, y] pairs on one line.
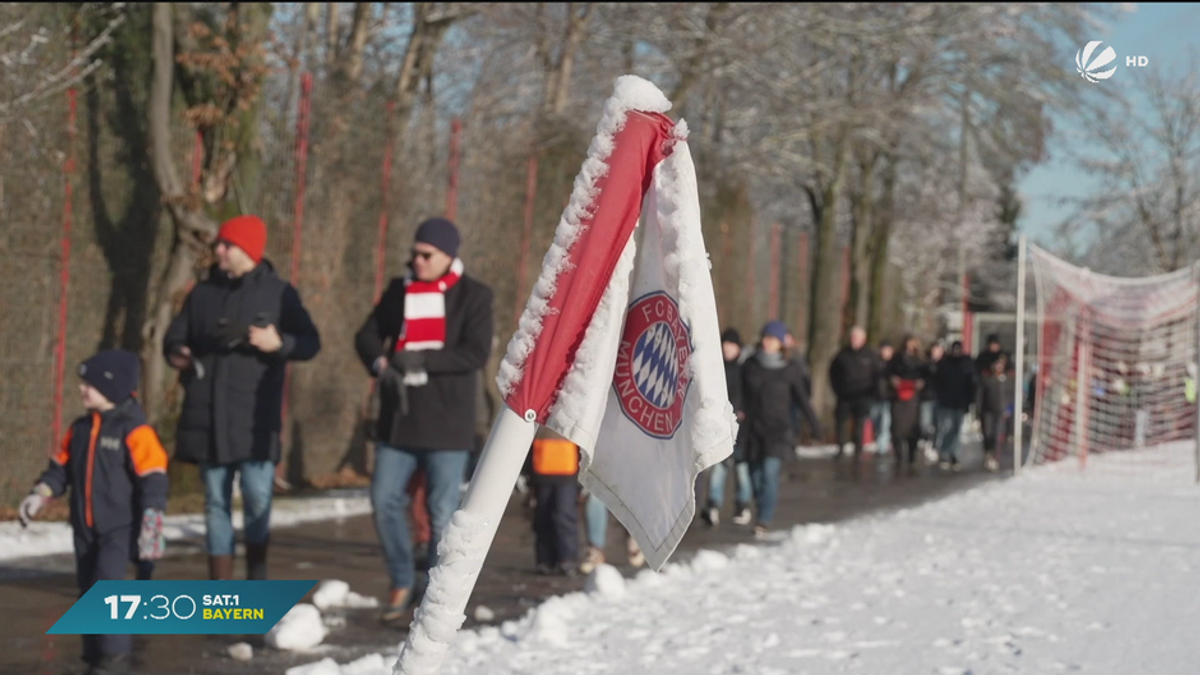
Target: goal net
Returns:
[[1116, 362]]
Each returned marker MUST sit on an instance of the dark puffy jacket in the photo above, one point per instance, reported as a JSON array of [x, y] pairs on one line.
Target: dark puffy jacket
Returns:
[[115, 466], [855, 374], [929, 371], [996, 393], [769, 395], [232, 409], [955, 382], [441, 414]]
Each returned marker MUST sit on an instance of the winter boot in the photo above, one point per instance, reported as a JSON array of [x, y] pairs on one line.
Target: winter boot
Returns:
[[636, 557], [593, 559], [256, 561], [711, 516], [399, 602], [220, 567]]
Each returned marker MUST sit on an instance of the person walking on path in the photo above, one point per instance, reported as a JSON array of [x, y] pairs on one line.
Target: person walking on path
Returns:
[[731, 345], [596, 519], [881, 407], [954, 383], [854, 376], [905, 385], [937, 352], [116, 470], [426, 340], [996, 396], [553, 469], [231, 343], [771, 383]]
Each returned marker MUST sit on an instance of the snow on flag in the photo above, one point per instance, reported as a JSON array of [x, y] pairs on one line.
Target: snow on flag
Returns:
[[619, 348]]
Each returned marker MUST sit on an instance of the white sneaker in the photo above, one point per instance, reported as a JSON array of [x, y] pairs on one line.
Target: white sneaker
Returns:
[[944, 465], [711, 516], [742, 517], [992, 464]]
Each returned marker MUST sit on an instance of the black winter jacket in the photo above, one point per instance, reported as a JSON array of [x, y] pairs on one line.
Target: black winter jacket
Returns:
[[115, 467], [768, 396], [232, 405], [441, 414], [955, 382], [855, 374], [996, 393]]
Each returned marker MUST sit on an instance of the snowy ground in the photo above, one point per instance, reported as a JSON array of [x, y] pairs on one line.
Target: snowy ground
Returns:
[[47, 538], [1055, 571]]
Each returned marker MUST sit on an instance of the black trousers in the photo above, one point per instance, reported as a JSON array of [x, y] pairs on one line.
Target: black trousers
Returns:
[[102, 557], [858, 410], [906, 428], [556, 522]]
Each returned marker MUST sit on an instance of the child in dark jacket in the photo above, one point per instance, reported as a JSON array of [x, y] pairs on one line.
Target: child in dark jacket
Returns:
[[553, 466], [996, 396], [115, 467]]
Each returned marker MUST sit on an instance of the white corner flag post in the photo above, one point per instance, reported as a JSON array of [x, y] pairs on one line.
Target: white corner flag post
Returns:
[[618, 350], [1019, 394]]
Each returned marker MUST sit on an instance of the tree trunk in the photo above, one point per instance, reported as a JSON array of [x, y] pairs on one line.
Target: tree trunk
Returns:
[[825, 321], [880, 238], [193, 228], [861, 241]]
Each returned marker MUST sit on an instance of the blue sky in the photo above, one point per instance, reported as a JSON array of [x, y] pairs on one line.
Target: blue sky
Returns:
[[1161, 32]]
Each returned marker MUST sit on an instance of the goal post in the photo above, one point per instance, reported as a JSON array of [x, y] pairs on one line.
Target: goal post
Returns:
[[1115, 369]]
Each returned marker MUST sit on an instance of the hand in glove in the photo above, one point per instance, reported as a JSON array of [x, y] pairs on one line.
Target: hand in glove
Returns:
[[408, 361], [33, 503], [151, 541]]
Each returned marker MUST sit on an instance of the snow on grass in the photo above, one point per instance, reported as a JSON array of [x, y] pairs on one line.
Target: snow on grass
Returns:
[[1058, 570], [48, 538]]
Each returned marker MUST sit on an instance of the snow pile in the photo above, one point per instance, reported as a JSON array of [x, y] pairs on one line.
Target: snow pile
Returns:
[[301, 628], [335, 593], [48, 538], [241, 651], [605, 581], [484, 614], [1059, 570]]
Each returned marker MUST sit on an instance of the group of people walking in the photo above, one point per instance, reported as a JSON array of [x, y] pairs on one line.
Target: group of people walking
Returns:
[[425, 342]]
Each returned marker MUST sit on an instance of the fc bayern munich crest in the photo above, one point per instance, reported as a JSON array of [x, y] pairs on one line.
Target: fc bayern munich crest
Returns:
[[651, 380]]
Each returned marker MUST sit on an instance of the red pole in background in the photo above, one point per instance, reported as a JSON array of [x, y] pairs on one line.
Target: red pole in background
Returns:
[[845, 276], [298, 215], [776, 235], [60, 348], [385, 186], [527, 234], [452, 190]]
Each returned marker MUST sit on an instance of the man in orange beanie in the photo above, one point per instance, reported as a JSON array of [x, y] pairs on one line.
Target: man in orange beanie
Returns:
[[237, 330]]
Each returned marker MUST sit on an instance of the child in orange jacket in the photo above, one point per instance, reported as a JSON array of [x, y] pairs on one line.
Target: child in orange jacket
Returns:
[[553, 465]]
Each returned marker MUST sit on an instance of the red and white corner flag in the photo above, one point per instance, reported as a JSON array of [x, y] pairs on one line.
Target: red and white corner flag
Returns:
[[619, 347]]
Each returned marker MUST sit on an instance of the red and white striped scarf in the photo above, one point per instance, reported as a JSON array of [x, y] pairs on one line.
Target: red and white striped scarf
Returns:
[[425, 310]]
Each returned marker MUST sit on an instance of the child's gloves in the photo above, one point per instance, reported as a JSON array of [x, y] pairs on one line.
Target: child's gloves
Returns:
[[33, 503], [151, 541]]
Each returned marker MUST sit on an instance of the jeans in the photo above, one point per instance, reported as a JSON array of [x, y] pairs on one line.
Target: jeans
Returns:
[[765, 474], [389, 500], [928, 420], [716, 483], [881, 419], [258, 484], [596, 515], [949, 426]]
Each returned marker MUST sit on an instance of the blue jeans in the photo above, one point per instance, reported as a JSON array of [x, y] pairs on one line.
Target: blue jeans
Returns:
[[949, 431], [258, 483], [765, 475], [881, 419], [716, 483], [928, 420], [444, 470], [596, 515]]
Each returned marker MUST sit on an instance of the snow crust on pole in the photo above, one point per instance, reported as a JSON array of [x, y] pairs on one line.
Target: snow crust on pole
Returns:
[[630, 93]]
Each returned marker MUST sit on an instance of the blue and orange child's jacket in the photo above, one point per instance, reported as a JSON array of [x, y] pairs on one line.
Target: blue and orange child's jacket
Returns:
[[115, 466]]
